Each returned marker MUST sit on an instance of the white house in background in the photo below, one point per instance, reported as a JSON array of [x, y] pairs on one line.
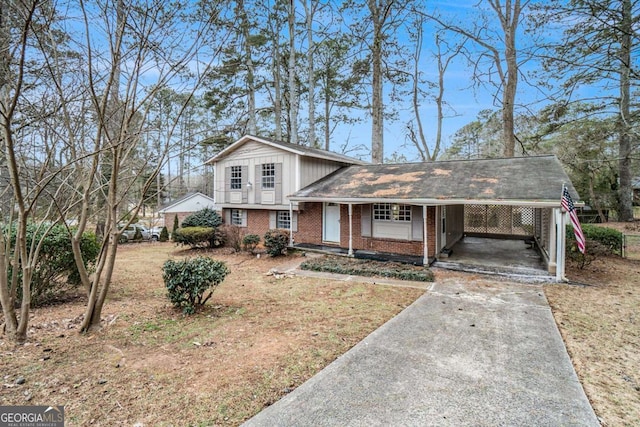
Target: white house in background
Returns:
[[185, 206]]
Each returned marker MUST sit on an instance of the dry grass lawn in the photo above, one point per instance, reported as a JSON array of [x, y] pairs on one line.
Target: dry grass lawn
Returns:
[[600, 324], [260, 337]]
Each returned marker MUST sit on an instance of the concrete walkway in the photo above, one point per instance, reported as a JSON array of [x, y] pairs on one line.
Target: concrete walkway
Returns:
[[466, 353]]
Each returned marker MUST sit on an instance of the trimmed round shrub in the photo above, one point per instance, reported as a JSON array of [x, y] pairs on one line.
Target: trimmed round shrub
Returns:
[[203, 218], [250, 242], [276, 242], [191, 282], [196, 237]]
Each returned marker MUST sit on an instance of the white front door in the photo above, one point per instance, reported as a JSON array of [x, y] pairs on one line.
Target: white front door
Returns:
[[443, 227], [331, 223]]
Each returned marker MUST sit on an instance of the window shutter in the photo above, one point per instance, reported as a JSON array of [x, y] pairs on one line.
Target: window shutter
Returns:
[[257, 185], [227, 216], [272, 220], [245, 178], [278, 184], [294, 222], [244, 218], [365, 220], [416, 223], [227, 184]]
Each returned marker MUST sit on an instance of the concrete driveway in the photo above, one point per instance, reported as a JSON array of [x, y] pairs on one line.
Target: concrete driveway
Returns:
[[467, 353]]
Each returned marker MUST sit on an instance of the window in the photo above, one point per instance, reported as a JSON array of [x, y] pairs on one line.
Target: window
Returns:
[[236, 216], [283, 220], [268, 176], [391, 212], [236, 177]]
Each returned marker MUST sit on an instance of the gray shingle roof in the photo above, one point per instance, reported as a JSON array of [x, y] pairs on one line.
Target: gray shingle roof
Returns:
[[534, 180], [294, 148]]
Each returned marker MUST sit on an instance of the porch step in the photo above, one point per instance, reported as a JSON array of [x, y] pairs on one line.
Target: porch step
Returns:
[[514, 273]]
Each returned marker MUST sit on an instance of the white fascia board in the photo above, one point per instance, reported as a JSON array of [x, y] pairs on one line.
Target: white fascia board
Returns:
[[433, 202]]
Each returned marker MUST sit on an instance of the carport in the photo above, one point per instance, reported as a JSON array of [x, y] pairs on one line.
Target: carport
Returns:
[[434, 209]]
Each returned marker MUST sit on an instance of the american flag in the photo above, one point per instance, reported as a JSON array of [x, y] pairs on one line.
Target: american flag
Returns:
[[567, 205]]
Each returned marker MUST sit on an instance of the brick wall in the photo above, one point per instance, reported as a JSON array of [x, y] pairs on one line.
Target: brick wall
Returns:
[[310, 231], [309, 224], [257, 222], [168, 219]]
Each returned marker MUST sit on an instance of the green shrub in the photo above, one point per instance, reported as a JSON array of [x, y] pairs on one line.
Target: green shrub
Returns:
[[176, 226], [164, 234], [137, 236], [55, 269], [599, 240], [250, 242], [200, 237], [203, 218], [276, 242], [196, 237], [189, 280]]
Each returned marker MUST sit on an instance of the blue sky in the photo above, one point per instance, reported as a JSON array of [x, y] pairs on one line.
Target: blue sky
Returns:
[[465, 101]]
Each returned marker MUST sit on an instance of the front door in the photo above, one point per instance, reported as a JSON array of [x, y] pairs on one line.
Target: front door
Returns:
[[443, 227], [331, 223]]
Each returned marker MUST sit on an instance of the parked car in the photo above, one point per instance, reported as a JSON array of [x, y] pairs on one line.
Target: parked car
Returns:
[[155, 233], [128, 234]]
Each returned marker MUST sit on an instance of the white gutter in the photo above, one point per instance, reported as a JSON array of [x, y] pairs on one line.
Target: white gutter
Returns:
[[434, 202]]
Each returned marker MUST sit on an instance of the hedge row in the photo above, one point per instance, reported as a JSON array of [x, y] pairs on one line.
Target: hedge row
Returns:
[[367, 268], [606, 240]]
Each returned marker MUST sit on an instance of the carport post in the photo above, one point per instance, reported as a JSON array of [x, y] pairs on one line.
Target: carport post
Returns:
[[350, 253], [560, 243], [552, 242], [425, 239]]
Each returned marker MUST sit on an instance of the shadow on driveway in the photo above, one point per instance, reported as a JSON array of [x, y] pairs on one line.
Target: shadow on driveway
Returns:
[[466, 353]]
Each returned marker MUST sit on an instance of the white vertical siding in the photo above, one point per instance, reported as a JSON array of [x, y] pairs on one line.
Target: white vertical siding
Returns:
[[314, 169], [252, 155]]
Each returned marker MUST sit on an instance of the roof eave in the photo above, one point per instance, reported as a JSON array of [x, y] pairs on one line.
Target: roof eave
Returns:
[[433, 201]]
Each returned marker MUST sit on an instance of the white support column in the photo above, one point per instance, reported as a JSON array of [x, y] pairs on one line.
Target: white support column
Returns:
[[425, 236], [560, 243], [552, 241], [350, 253], [291, 224]]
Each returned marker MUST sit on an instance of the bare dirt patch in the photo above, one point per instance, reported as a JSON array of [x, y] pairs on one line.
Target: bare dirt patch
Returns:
[[258, 338]]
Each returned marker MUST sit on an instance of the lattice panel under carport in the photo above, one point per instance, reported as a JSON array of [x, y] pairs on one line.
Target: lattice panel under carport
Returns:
[[499, 220]]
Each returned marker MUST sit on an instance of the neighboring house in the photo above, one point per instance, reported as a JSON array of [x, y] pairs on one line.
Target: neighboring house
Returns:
[[414, 209], [635, 185], [185, 206]]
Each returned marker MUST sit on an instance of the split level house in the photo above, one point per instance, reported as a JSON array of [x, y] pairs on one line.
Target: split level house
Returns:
[[418, 210]]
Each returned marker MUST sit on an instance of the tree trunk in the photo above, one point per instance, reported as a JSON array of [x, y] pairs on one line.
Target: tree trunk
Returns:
[[293, 91], [624, 142], [377, 117], [309, 11], [509, 19], [252, 127]]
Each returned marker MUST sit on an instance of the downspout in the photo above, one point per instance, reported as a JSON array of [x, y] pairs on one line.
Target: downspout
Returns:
[[425, 259], [350, 253]]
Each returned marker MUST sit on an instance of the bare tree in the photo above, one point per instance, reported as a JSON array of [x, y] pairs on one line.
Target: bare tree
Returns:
[[443, 59], [501, 51]]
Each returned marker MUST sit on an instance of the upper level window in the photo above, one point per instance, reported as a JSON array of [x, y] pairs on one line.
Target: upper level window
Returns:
[[236, 177], [268, 176], [283, 220], [391, 212]]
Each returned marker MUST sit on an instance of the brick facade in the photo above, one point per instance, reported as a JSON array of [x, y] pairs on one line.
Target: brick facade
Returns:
[[310, 231]]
